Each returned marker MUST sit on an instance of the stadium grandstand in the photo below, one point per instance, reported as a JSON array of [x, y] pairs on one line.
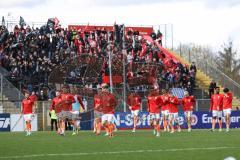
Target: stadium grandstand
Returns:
[[128, 58]]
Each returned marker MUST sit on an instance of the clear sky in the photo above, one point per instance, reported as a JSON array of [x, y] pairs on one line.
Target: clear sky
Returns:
[[207, 22]]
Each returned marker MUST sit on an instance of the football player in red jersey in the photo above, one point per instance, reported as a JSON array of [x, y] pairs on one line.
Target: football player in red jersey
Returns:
[[173, 109], [134, 103], [57, 107], [188, 102], [76, 107], [227, 106], [97, 114], [216, 108], [108, 105], [154, 106], [27, 110], [67, 101], [165, 109]]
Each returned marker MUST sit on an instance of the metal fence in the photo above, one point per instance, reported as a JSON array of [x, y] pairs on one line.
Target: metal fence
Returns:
[[212, 71]]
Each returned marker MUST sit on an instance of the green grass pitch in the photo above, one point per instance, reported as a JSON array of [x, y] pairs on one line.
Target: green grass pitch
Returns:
[[197, 145]]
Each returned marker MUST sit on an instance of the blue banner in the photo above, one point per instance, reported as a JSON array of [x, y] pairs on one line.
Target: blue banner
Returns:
[[5, 122], [199, 120]]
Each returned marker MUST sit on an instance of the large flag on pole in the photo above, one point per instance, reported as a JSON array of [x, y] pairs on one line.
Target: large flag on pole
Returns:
[[3, 21], [22, 22]]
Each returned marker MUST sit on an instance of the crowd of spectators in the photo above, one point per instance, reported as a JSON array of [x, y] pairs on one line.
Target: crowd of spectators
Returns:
[[31, 54]]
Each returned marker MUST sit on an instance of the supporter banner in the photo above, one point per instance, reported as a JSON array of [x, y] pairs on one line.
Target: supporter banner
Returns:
[[199, 120], [5, 122], [87, 28], [142, 30], [115, 79]]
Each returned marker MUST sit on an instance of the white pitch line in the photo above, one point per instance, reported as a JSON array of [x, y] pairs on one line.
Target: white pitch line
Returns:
[[116, 152]]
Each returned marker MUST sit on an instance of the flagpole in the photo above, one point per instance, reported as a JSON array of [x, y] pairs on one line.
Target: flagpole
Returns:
[[110, 64], [124, 70]]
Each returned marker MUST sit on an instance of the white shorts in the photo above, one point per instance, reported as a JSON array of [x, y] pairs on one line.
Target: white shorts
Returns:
[[64, 114], [188, 114], [135, 112], [216, 113], [108, 118], [165, 113], [27, 117], [75, 114], [154, 116], [227, 111], [173, 116]]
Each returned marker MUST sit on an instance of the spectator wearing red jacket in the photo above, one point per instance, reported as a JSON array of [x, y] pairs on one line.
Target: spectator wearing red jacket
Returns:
[[188, 102], [227, 107], [173, 109], [216, 108]]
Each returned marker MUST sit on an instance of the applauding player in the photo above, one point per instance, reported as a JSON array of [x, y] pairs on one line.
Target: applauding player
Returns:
[[216, 108], [188, 102], [173, 108], [154, 106], [57, 106], [165, 109], [76, 111], [227, 106], [134, 103], [67, 100], [27, 110]]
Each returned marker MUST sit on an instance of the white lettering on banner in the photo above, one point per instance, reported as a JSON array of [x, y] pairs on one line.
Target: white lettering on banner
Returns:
[[181, 120], [235, 119], [206, 119], [4, 122], [128, 120], [116, 119]]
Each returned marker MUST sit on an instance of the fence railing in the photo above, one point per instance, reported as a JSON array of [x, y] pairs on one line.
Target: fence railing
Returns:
[[7, 89], [209, 67], [213, 72]]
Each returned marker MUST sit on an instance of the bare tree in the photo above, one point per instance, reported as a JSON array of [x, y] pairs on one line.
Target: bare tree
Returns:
[[228, 62]]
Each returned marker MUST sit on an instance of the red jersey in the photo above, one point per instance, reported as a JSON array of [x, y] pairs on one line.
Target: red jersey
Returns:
[[67, 100], [188, 103], [165, 102], [154, 103], [216, 102], [107, 102], [97, 103], [33, 97], [56, 104], [173, 104], [134, 101], [27, 105], [227, 100]]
